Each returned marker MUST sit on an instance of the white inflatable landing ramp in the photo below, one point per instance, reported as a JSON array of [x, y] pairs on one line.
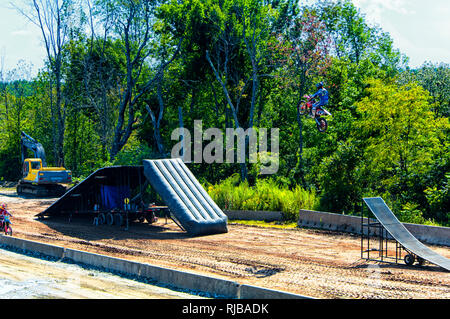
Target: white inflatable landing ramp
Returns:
[[188, 201]]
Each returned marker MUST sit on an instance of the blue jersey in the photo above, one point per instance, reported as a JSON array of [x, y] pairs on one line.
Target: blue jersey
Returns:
[[323, 95]]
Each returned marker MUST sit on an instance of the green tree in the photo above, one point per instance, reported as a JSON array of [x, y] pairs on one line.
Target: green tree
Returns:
[[339, 179], [15, 114], [435, 78], [401, 138]]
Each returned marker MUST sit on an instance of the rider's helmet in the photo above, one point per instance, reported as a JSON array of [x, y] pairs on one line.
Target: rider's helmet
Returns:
[[319, 85], [3, 206]]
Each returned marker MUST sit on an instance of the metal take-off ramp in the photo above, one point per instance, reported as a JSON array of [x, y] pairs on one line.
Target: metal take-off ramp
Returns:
[[387, 224]]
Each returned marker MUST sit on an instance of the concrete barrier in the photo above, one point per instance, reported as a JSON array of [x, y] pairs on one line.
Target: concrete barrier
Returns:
[[436, 235], [33, 246], [187, 280], [352, 224], [253, 292], [329, 221], [254, 215], [180, 279]]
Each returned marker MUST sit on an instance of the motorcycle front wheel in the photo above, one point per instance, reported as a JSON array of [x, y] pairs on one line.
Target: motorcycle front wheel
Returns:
[[322, 124]]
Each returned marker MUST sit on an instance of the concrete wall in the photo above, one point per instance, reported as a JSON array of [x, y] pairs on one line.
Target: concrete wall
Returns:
[[253, 292], [176, 278], [329, 221], [352, 224], [343, 223], [180, 279], [253, 215], [430, 234], [33, 246]]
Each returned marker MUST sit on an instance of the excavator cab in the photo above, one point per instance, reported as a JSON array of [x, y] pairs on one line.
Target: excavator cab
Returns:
[[35, 163], [31, 165], [31, 169]]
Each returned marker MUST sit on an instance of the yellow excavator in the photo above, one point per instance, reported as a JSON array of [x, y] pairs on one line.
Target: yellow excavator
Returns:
[[38, 179]]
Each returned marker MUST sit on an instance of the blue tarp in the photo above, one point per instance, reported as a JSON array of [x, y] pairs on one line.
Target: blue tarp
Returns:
[[113, 196]]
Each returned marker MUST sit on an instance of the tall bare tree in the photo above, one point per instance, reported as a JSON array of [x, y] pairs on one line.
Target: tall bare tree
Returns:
[[99, 76], [54, 18], [252, 31], [133, 24]]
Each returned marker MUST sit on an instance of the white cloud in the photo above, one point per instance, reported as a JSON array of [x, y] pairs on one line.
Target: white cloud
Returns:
[[374, 9], [419, 29], [21, 33]]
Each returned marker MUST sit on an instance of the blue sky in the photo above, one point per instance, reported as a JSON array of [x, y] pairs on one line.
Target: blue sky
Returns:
[[420, 29]]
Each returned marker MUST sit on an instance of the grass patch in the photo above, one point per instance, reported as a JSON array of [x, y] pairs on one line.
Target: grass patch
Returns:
[[261, 223], [266, 195]]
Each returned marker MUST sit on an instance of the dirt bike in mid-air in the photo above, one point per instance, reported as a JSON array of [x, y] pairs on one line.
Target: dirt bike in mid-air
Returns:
[[6, 225], [305, 108]]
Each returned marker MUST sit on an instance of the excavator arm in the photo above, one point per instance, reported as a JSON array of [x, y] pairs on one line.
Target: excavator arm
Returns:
[[27, 142]]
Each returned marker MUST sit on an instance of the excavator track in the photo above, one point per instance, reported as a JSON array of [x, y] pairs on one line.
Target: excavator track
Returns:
[[40, 190]]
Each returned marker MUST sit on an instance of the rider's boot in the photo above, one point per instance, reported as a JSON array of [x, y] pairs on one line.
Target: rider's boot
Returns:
[[313, 114]]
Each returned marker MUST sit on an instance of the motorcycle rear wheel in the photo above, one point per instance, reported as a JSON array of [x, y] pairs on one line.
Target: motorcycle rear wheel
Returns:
[[322, 124], [302, 109]]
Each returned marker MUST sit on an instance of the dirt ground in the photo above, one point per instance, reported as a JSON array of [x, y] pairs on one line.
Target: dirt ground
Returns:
[[314, 263]]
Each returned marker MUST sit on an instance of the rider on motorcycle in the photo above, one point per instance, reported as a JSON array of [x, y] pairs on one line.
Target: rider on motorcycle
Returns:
[[4, 212], [322, 94]]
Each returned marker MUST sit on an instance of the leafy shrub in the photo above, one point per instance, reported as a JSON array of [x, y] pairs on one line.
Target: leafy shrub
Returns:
[[266, 195], [410, 213], [439, 200]]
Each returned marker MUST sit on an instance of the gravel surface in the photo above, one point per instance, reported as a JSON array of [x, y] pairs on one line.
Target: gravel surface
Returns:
[[25, 277]]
